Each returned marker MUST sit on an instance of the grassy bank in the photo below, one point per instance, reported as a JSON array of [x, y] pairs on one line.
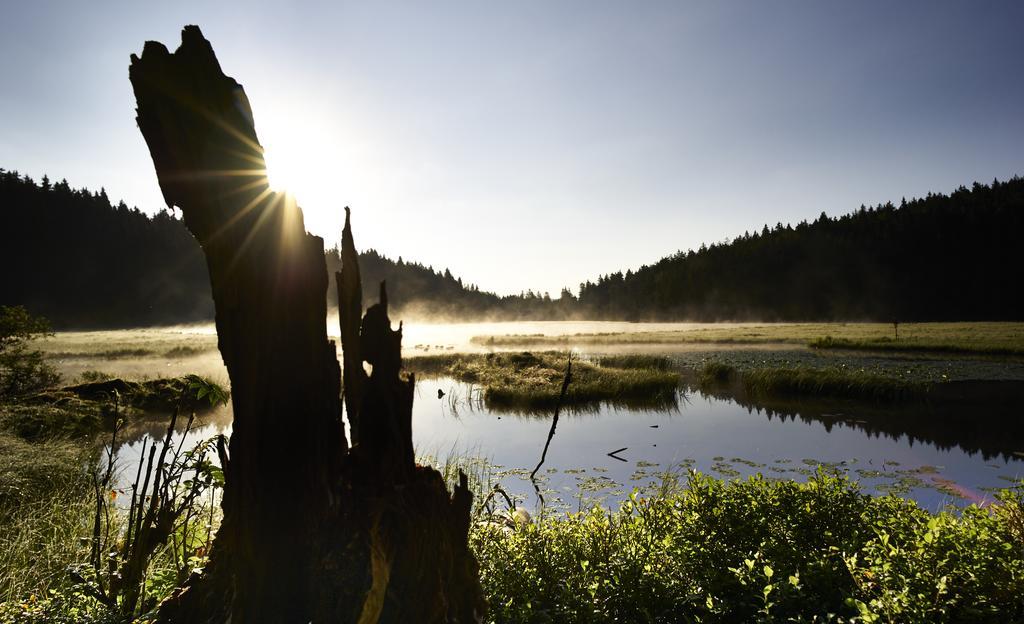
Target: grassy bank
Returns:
[[991, 338], [705, 550], [45, 496], [533, 381]]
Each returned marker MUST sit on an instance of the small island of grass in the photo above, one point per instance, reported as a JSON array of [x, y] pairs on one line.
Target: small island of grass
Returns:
[[533, 381]]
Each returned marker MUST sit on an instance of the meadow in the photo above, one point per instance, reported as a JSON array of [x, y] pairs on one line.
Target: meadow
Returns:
[[771, 544], [980, 338]]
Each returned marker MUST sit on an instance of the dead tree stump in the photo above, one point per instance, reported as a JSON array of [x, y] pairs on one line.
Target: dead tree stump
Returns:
[[313, 529]]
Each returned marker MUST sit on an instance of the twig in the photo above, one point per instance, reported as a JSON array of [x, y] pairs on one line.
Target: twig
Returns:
[[614, 454], [490, 496], [554, 424]]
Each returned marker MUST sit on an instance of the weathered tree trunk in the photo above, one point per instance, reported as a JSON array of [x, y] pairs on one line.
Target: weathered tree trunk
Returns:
[[312, 530]]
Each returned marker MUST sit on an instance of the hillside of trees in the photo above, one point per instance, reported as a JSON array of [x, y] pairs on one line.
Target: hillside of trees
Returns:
[[944, 257], [75, 257]]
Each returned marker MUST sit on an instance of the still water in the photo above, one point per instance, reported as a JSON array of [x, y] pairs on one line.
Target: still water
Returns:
[[910, 453]]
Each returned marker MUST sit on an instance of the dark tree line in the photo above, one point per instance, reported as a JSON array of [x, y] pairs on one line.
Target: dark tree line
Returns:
[[943, 257], [73, 256]]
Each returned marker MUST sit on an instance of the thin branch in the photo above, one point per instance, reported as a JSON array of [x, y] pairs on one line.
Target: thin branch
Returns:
[[554, 420]]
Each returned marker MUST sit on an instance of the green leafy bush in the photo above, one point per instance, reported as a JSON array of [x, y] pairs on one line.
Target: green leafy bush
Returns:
[[759, 550]]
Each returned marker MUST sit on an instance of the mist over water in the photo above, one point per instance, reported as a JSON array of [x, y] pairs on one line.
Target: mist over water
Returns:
[[714, 435], [183, 349]]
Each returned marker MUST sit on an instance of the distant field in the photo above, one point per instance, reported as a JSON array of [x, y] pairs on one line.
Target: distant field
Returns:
[[122, 343], [926, 352], [135, 353], [995, 338]]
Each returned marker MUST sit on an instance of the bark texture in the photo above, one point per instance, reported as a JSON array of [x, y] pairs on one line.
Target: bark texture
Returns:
[[313, 530]]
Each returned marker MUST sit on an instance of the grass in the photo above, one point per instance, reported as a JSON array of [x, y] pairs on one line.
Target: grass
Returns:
[[68, 418], [838, 382], [116, 344], [108, 354], [532, 381], [45, 498], [701, 549], [986, 337], [48, 454], [963, 343], [41, 538], [759, 550]]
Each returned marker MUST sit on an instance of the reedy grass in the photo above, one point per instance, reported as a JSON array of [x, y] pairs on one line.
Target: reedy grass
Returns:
[[635, 361], [998, 338], [126, 343], [956, 345], [45, 502], [532, 381], [40, 540], [701, 549]]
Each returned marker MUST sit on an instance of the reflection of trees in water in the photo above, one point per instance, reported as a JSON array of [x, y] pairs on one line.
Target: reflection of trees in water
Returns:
[[976, 418]]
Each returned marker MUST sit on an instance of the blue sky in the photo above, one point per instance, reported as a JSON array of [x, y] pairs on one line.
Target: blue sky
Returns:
[[539, 144]]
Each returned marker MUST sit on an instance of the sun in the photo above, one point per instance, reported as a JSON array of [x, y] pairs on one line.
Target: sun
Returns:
[[312, 154], [284, 170], [301, 166]]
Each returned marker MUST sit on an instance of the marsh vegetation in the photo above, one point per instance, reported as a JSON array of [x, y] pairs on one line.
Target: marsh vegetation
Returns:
[[992, 338], [613, 534], [532, 381]]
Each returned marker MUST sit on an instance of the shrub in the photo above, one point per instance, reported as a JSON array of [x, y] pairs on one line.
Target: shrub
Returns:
[[758, 550], [22, 370]]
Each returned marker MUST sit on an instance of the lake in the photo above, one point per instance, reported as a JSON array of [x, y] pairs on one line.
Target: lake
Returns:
[[937, 455]]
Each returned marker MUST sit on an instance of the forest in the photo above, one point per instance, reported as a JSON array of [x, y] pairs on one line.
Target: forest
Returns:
[[80, 260], [943, 257], [77, 258]]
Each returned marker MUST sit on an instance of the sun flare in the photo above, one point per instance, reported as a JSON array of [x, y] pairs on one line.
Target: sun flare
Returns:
[[302, 168]]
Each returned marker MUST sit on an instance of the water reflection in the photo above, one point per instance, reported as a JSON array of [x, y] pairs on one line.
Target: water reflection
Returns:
[[934, 455], [979, 417]]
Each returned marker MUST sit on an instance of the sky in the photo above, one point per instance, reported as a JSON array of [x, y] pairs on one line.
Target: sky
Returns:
[[538, 144]]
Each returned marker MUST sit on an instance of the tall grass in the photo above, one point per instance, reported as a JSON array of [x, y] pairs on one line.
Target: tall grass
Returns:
[[45, 507], [952, 345], [532, 381], [701, 550]]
